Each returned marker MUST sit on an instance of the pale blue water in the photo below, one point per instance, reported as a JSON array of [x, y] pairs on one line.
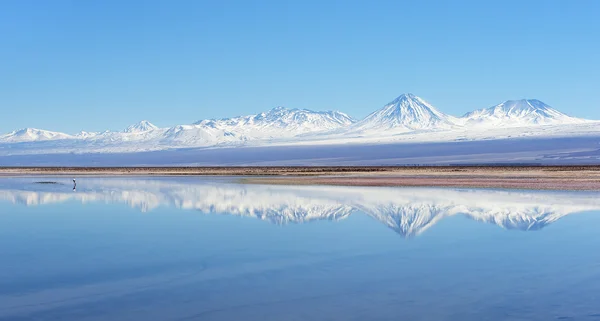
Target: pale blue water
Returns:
[[202, 249]]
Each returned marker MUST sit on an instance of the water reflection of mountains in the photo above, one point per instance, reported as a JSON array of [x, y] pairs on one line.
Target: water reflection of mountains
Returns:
[[408, 211]]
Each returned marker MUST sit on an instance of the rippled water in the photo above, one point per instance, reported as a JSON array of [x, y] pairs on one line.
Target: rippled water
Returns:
[[210, 249]]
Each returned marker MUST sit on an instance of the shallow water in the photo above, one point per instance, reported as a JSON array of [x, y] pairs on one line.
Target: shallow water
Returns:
[[209, 249]]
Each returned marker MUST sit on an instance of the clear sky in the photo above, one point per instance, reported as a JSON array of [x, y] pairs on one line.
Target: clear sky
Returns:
[[96, 65]]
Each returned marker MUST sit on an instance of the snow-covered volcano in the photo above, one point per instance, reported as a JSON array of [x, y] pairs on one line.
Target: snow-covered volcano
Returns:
[[518, 113], [140, 127], [407, 112]]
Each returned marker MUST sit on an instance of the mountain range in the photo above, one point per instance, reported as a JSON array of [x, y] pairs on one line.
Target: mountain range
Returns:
[[407, 211], [406, 118]]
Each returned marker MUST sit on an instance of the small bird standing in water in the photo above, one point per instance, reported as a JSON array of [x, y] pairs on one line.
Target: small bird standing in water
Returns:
[[74, 184]]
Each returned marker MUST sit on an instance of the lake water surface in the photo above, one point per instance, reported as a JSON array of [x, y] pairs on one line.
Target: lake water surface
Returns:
[[210, 249]]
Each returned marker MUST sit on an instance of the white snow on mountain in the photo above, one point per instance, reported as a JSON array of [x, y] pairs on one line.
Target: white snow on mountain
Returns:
[[408, 211], [197, 135], [32, 134], [83, 134], [275, 124], [405, 113], [141, 127], [518, 113], [280, 122], [407, 119]]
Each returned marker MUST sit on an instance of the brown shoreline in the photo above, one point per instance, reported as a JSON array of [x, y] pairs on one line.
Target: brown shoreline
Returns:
[[475, 182], [300, 170], [514, 177]]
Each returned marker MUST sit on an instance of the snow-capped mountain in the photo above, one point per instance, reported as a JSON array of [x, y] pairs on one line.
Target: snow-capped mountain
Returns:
[[83, 134], [32, 134], [280, 122], [277, 123], [407, 118], [141, 127], [197, 135], [407, 211], [407, 112], [518, 113]]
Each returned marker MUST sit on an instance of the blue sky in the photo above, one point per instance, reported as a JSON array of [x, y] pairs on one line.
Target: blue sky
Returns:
[[96, 65]]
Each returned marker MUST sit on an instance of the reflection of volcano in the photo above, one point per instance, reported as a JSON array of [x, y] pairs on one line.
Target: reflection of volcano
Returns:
[[413, 219], [408, 211]]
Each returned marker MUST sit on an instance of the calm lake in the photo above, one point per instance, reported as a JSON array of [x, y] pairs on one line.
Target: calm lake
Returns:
[[210, 249]]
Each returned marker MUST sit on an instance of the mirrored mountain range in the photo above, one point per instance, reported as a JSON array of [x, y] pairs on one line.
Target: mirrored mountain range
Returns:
[[408, 211]]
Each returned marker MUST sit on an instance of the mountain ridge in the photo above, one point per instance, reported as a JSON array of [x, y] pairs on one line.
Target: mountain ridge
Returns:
[[407, 117], [521, 112], [280, 121], [32, 134]]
